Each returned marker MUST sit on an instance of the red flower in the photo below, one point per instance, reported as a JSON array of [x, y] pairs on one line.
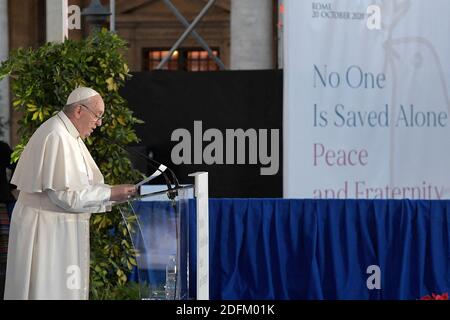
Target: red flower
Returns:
[[434, 296]]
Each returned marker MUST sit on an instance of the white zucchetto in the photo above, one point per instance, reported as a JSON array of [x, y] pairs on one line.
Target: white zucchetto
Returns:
[[81, 93]]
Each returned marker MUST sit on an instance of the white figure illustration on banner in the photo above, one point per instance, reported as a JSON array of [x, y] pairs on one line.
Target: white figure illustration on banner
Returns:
[[417, 103]]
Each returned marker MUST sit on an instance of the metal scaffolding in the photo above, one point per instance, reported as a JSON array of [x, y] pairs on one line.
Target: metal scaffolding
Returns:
[[190, 29]]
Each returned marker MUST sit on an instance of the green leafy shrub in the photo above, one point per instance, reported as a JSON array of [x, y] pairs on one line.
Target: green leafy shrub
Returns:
[[128, 291], [42, 79]]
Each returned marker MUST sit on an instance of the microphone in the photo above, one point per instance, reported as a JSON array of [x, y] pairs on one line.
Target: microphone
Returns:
[[172, 192]]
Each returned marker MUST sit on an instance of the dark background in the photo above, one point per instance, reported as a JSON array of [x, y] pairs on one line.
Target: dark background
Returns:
[[168, 100]]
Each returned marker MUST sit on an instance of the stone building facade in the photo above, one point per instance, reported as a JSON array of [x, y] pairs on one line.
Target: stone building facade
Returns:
[[242, 33]]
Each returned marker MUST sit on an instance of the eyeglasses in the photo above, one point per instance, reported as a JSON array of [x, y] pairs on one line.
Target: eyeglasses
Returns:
[[96, 116]]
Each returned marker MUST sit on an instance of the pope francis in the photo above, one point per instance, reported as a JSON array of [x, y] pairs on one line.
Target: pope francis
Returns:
[[60, 186]]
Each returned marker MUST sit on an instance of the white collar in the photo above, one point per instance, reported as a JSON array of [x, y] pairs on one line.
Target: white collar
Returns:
[[68, 124]]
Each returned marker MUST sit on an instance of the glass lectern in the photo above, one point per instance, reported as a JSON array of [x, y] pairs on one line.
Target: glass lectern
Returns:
[[158, 225]]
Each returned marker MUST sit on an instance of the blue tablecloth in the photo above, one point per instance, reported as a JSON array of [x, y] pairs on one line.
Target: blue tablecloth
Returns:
[[326, 249]]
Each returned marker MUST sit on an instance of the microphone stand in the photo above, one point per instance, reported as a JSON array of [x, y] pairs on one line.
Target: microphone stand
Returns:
[[172, 192]]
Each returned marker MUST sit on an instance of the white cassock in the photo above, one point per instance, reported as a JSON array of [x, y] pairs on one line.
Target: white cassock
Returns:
[[60, 186]]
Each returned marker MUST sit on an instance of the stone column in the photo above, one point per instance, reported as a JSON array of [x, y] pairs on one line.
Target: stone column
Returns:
[[57, 26], [4, 84], [280, 28], [251, 34]]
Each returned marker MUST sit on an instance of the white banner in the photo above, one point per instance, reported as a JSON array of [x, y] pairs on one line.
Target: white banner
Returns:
[[366, 111]]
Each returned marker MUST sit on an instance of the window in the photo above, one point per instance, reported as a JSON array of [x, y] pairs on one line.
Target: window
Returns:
[[187, 59], [156, 56], [201, 61]]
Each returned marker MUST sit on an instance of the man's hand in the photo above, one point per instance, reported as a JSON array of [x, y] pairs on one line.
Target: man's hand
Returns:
[[122, 192]]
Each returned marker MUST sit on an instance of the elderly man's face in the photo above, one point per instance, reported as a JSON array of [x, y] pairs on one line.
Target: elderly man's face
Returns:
[[90, 114]]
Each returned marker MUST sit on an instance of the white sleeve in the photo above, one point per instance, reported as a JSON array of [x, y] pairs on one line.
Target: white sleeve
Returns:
[[92, 199]]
